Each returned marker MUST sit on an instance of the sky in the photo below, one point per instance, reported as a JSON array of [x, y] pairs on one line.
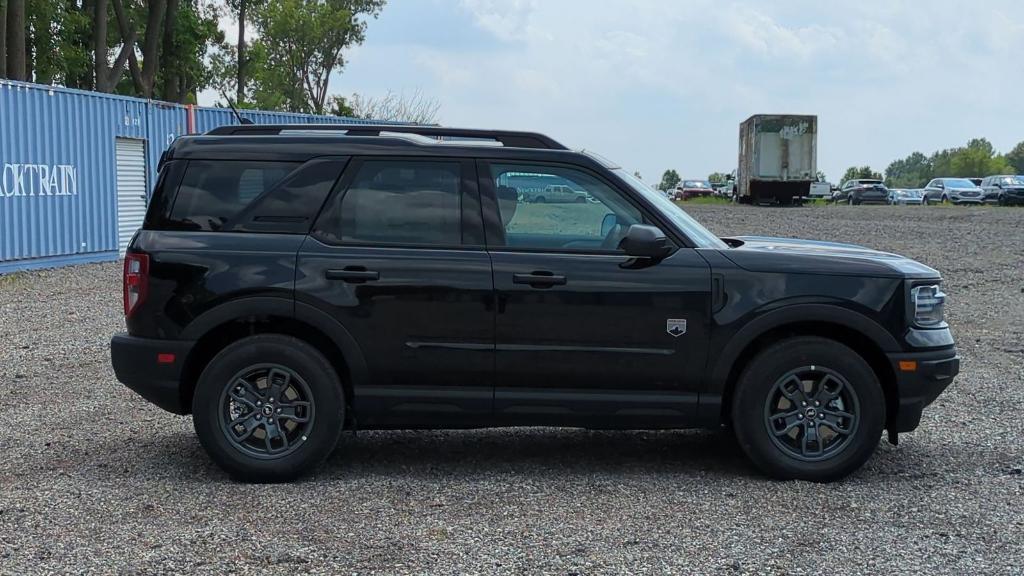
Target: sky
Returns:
[[658, 84]]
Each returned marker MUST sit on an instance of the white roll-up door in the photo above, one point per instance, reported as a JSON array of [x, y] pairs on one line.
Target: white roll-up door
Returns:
[[131, 189]]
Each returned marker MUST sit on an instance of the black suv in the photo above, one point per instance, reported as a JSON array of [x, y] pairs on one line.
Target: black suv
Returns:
[[291, 282]]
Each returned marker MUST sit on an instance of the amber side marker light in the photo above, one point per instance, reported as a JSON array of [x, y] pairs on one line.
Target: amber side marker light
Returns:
[[908, 365]]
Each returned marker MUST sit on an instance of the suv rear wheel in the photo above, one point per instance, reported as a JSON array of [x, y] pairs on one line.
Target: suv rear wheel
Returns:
[[808, 408], [268, 408]]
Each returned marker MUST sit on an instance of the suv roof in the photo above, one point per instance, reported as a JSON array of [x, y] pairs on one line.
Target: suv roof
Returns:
[[507, 138], [299, 142]]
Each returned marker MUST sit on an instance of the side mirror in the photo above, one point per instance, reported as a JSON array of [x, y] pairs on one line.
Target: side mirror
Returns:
[[643, 241], [608, 224]]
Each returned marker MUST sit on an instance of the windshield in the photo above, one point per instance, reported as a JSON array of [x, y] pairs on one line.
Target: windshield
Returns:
[[695, 184], [869, 182], [1014, 180], [958, 183], [698, 234]]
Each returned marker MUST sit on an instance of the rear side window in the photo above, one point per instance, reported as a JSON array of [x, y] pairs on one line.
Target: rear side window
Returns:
[[403, 202], [212, 192]]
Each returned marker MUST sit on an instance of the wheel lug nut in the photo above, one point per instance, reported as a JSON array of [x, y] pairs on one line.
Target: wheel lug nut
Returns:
[[804, 403], [816, 403], [799, 416], [259, 417]]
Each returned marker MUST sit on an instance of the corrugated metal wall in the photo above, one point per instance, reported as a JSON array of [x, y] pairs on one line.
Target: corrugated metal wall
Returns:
[[58, 190]]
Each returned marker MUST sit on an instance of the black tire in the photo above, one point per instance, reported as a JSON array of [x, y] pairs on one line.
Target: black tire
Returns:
[[539, 200], [300, 370], [580, 199], [860, 395]]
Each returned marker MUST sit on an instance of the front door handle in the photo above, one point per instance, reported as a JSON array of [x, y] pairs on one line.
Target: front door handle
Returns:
[[353, 275], [539, 279]]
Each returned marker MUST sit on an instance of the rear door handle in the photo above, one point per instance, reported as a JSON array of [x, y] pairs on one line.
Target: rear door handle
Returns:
[[539, 279], [353, 275]]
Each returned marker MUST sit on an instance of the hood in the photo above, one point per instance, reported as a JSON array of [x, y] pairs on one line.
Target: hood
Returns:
[[793, 256]]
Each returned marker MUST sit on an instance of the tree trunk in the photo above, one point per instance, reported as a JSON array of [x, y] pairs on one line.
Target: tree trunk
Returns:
[[172, 64], [127, 54], [16, 39], [99, 44], [3, 38], [30, 61], [240, 86], [151, 45]]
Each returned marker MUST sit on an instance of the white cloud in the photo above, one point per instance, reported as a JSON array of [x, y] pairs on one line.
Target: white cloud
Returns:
[[658, 84]]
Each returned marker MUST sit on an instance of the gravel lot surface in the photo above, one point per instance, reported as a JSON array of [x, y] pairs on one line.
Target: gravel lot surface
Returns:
[[94, 479]]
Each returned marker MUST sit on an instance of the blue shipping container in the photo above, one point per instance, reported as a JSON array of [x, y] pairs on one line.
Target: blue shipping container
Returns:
[[63, 154]]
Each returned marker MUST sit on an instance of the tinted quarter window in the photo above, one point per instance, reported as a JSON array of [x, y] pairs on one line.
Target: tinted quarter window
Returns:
[[290, 206], [559, 208], [212, 192], [404, 202]]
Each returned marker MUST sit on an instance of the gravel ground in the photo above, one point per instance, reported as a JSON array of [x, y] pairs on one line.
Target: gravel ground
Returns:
[[94, 479]]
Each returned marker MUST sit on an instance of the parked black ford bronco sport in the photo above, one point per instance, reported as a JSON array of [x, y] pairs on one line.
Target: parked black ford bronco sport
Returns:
[[290, 282]]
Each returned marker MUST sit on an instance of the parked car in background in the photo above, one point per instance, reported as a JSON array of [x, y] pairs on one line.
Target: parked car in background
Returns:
[[955, 190], [692, 188], [901, 196], [862, 191], [555, 193], [722, 189], [1003, 190]]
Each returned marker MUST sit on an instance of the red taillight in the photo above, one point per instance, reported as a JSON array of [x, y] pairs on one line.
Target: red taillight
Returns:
[[136, 281]]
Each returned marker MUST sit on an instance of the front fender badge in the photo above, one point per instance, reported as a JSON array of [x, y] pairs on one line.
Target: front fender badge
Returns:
[[676, 327]]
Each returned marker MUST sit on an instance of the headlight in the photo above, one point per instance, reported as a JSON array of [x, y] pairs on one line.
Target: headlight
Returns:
[[928, 302]]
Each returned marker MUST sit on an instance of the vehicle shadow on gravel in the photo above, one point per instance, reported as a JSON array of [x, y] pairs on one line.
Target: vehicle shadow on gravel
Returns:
[[535, 452]]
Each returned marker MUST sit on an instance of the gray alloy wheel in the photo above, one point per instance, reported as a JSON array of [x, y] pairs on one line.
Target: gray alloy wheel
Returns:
[[266, 411], [811, 413]]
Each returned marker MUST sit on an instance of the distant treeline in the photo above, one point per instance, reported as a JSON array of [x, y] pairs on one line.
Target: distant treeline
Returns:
[[977, 159]]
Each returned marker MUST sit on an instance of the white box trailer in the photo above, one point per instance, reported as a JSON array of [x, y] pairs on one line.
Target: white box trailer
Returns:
[[778, 158]]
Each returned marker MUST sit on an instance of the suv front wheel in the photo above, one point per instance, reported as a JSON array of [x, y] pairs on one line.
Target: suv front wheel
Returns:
[[268, 408], [808, 408]]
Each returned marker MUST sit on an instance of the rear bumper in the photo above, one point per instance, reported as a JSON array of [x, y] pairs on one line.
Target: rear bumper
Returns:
[[920, 387], [152, 368]]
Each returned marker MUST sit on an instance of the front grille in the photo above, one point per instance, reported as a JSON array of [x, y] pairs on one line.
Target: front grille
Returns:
[[969, 193]]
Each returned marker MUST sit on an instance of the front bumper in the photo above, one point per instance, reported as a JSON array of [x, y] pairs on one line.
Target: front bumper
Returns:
[[934, 372], [957, 199], [152, 368]]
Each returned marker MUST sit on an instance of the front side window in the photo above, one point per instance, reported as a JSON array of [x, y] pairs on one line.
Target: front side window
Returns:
[[398, 202], [558, 208]]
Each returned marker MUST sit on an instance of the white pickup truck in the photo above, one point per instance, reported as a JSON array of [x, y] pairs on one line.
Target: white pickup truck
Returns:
[[555, 193]]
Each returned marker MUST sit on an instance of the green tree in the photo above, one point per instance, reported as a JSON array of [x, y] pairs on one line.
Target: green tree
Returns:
[[669, 180], [819, 176], [1015, 158], [860, 173], [914, 171], [303, 42], [717, 177]]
